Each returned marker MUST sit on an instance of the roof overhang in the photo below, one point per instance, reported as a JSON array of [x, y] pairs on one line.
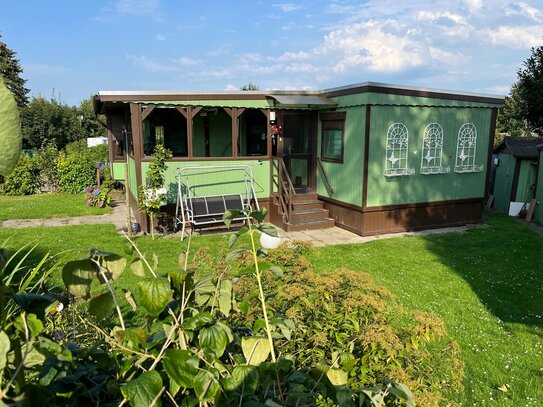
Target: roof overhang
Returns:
[[301, 101]]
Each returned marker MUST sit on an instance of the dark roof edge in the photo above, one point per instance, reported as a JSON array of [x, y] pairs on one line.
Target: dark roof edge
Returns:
[[413, 91]]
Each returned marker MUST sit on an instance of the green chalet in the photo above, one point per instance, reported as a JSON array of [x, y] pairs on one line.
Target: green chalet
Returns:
[[371, 158]]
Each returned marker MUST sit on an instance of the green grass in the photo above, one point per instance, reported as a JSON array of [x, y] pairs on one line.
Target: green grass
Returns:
[[486, 284], [46, 206]]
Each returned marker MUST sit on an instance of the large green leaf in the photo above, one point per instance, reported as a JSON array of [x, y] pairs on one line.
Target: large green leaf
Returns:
[[213, 338], [225, 297], [246, 378], [181, 366], [4, 349], [154, 294], [256, 350], [206, 385], [101, 305], [77, 276], [268, 229], [229, 215], [137, 268], [141, 391], [337, 377], [10, 131], [34, 303], [113, 266], [35, 326]]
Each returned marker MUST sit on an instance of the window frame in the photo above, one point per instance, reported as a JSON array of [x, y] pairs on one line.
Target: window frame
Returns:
[[333, 121]]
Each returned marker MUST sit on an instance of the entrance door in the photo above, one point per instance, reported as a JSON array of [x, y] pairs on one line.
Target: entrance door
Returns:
[[298, 134]]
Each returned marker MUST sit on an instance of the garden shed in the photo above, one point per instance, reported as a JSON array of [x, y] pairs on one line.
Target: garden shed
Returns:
[[516, 164], [372, 158]]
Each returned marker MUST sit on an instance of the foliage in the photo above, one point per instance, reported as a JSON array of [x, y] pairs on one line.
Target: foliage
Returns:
[[76, 166], [152, 196], [10, 130], [89, 125], [530, 90], [354, 329], [45, 121], [46, 162], [509, 121], [250, 86], [10, 70], [97, 197], [24, 180]]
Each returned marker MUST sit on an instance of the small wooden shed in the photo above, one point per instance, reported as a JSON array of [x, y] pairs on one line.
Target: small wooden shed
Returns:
[[516, 164]]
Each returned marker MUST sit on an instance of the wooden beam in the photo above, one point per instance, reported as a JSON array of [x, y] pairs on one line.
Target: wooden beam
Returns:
[[147, 111], [183, 111], [366, 158], [136, 124], [234, 113]]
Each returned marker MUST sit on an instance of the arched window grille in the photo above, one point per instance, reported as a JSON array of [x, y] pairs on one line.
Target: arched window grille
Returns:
[[396, 151], [466, 149], [432, 151]]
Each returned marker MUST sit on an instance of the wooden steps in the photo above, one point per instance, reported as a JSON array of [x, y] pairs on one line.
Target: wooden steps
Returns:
[[307, 213]]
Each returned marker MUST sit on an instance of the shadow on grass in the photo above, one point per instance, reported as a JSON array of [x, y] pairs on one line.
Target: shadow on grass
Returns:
[[503, 265]]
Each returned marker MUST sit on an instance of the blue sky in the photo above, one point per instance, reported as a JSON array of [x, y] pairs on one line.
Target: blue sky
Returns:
[[73, 49]]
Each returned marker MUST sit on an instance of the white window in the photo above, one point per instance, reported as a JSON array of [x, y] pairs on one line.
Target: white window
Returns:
[[466, 149], [396, 151], [432, 151]]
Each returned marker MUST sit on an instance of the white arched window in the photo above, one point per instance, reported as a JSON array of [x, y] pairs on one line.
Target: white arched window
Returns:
[[432, 151], [396, 151], [466, 149]]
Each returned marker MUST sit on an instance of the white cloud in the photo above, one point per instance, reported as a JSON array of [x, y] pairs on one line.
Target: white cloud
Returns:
[[137, 7], [288, 7], [160, 37], [230, 87], [150, 65], [185, 61], [293, 56], [517, 37], [525, 10]]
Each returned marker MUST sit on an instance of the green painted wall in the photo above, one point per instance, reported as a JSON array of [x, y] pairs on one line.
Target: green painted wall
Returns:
[[117, 171], [538, 213], [527, 176], [216, 182], [425, 188], [346, 177], [503, 182], [132, 177]]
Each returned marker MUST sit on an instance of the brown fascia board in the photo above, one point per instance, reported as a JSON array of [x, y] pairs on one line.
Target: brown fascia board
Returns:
[[385, 88]]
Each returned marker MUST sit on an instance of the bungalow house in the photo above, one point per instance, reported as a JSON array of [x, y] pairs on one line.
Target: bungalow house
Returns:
[[516, 166], [371, 158]]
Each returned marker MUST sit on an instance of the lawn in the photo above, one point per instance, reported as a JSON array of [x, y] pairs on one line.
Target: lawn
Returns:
[[46, 206], [486, 284]]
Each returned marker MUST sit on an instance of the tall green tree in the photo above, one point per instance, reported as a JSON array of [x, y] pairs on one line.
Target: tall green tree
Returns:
[[49, 121], [250, 86], [90, 125], [529, 87], [10, 70]]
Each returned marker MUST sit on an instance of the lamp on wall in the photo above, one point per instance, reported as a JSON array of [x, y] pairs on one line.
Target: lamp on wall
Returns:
[[272, 117]]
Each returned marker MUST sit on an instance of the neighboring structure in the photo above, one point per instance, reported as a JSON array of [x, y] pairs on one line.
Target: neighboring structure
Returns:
[[375, 158], [516, 164], [538, 213]]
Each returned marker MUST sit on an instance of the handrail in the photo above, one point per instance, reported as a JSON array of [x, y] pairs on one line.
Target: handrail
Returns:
[[285, 188], [330, 187]]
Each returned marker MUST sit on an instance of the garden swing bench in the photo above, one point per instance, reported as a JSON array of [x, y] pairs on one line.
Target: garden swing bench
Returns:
[[201, 210]]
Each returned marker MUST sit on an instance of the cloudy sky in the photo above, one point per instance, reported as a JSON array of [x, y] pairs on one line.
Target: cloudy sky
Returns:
[[73, 49]]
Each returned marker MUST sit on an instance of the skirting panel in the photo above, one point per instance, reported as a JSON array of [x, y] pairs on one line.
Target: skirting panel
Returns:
[[394, 219]]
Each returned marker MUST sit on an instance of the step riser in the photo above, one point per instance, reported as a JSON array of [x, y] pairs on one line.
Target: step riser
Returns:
[[324, 224], [304, 216]]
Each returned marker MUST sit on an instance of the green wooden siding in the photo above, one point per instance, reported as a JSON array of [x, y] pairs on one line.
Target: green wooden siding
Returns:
[[503, 182], [216, 182], [117, 171], [538, 213], [425, 188], [220, 135], [526, 179], [346, 177]]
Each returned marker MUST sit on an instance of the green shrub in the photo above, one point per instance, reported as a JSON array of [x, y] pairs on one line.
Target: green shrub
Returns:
[[24, 180], [47, 165], [76, 166]]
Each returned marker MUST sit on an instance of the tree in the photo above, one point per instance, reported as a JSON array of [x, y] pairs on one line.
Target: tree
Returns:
[[44, 121], [10, 70], [529, 87], [510, 121], [250, 86], [90, 125]]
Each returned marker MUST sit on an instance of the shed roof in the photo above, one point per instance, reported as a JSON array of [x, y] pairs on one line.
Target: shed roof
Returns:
[[527, 149]]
